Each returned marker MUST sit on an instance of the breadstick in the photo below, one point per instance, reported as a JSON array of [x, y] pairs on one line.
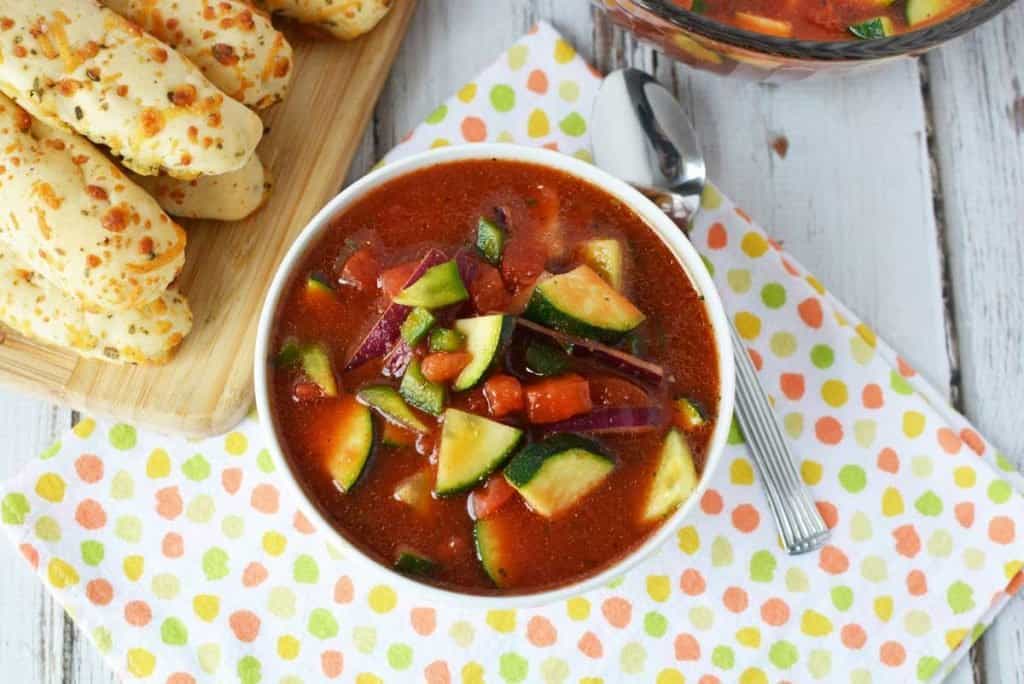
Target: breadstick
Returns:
[[346, 19], [228, 197]]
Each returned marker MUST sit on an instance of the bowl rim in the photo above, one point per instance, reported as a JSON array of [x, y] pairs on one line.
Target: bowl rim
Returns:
[[663, 227], [827, 50]]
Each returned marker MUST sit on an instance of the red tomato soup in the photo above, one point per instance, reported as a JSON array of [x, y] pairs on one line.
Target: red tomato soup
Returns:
[[493, 377]]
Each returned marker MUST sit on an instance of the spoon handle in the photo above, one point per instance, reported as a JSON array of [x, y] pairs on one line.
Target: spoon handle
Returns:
[[796, 516]]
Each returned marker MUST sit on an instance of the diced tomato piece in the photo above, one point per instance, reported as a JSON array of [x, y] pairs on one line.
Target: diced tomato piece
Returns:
[[361, 270], [504, 395], [547, 228], [522, 262], [488, 290], [453, 548], [494, 494], [609, 390], [555, 399], [444, 366], [393, 280], [307, 391], [474, 400]]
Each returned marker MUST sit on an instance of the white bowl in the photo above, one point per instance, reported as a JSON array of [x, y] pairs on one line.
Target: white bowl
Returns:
[[669, 233]]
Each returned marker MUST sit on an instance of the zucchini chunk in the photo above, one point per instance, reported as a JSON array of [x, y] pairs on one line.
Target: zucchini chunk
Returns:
[[446, 340], [921, 11], [545, 359], [879, 27], [581, 303], [440, 286], [289, 355], [416, 325], [386, 401], [485, 337], [490, 241], [414, 491], [493, 550], [419, 392], [350, 443], [688, 415], [553, 475], [606, 258], [674, 480], [316, 364], [317, 287], [410, 562], [472, 447]]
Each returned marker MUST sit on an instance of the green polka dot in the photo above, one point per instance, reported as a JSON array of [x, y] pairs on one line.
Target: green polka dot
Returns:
[[860, 527], [853, 478], [517, 56], [48, 529], [917, 623], [797, 581], [842, 598], [122, 436], [999, 491], [209, 657], [632, 658], [899, 384], [569, 91], [92, 552], [708, 265], [233, 526], [783, 344], [14, 509], [201, 509], [249, 670], [513, 667], [196, 468], [874, 569], [264, 461], [927, 666], [721, 552], [723, 657], [655, 624], [710, 198], [960, 597], [400, 656], [173, 632], [122, 486], [940, 544], [864, 431], [1004, 463], [103, 640], [929, 504], [773, 295], [50, 452], [281, 602], [215, 564], [822, 356], [438, 115], [365, 639], [762, 566], [554, 670], [322, 624], [794, 424], [735, 434], [783, 655], [166, 586], [701, 617], [573, 125], [739, 280], [503, 98], [921, 466], [305, 570], [819, 663], [128, 528]]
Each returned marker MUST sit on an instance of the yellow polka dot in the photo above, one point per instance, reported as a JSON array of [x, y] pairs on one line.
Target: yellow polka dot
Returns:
[[753, 675], [867, 334], [591, 680], [274, 543], [133, 567], [84, 428], [754, 245], [741, 472], [810, 472], [472, 673], [288, 647], [61, 574], [748, 325], [749, 637], [50, 487], [883, 608], [954, 637], [467, 92], [913, 424], [506, 137], [584, 155], [689, 540], [658, 587], [564, 52], [158, 464], [141, 662], [206, 607], [382, 599], [670, 675], [368, 678], [578, 608], [1011, 569], [892, 502], [965, 477], [834, 393], [538, 126], [440, 142], [235, 443], [816, 284], [502, 620], [814, 624]]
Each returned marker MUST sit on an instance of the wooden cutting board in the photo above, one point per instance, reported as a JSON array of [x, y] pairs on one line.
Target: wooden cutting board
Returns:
[[208, 387]]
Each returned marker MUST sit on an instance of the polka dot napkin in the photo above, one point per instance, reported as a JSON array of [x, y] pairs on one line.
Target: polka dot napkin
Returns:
[[184, 563]]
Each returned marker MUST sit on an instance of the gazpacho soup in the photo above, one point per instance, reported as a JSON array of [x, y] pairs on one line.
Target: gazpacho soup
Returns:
[[493, 377]]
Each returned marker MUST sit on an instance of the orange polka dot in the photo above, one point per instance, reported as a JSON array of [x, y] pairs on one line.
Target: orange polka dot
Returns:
[[775, 612], [853, 636], [437, 673], [173, 546], [906, 370], [917, 583], [892, 653], [742, 214], [871, 396], [692, 582], [424, 620], [181, 678], [553, 146], [99, 592], [829, 513], [755, 358], [302, 524], [908, 543], [1001, 530], [168, 503], [735, 599], [790, 268], [89, 468], [245, 624], [948, 440], [833, 561], [745, 518], [343, 590], [1015, 584], [265, 498], [828, 430], [590, 645], [29, 553], [888, 461], [964, 513], [537, 82], [687, 647], [90, 515], [254, 574], [776, 245], [973, 440], [540, 631], [810, 312], [231, 480], [717, 237], [709, 679], [474, 129], [332, 663], [792, 385], [617, 611], [137, 613], [711, 502]]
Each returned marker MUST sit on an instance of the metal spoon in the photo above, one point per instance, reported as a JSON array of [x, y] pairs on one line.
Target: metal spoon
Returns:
[[643, 136]]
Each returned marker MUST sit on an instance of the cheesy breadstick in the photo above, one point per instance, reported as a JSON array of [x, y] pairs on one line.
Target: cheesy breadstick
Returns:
[[35, 308], [71, 215], [346, 19], [228, 197], [75, 64], [234, 45]]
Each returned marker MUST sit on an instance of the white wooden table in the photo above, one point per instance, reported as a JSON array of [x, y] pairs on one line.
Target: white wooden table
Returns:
[[902, 189]]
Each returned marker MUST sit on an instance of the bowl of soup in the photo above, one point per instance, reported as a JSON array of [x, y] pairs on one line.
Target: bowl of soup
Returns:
[[793, 39], [494, 372]]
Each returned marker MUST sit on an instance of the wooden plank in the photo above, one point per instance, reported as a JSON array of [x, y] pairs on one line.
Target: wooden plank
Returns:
[[977, 93]]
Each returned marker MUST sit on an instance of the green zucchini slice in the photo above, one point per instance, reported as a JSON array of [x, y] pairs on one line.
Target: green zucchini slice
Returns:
[[389, 403], [485, 337], [581, 303], [316, 364], [421, 393], [605, 256], [472, 447], [440, 286], [555, 474], [350, 443], [674, 480]]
